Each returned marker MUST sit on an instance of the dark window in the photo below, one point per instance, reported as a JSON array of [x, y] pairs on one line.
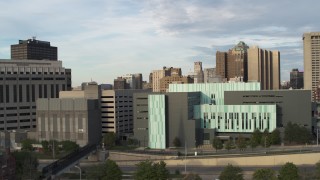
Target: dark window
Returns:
[[52, 90], [7, 93], [15, 94], [1, 94], [33, 93], [20, 93], [57, 90], [63, 87], [45, 91], [28, 93], [48, 78]]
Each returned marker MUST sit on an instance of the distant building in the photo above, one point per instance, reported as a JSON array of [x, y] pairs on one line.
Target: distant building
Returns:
[[120, 83], [159, 74], [311, 49], [12, 139], [210, 76], [34, 49], [264, 67], [174, 79], [128, 81], [198, 72], [296, 79]]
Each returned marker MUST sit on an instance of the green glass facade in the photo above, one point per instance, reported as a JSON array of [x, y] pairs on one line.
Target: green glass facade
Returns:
[[237, 118], [157, 121], [213, 93]]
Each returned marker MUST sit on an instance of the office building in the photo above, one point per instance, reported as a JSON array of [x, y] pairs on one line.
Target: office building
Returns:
[[116, 111], [311, 54], [296, 79], [120, 83], [74, 116], [233, 64], [198, 72], [264, 67], [22, 82], [129, 81], [174, 79], [210, 76], [34, 49], [158, 74], [221, 109]]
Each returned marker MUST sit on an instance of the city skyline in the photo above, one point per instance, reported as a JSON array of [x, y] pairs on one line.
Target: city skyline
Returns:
[[109, 39]]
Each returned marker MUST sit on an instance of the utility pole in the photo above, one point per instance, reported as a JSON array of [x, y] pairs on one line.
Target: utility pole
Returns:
[[317, 136], [185, 157]]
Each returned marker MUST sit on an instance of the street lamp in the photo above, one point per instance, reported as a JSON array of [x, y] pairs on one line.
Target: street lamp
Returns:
[[79, 169]]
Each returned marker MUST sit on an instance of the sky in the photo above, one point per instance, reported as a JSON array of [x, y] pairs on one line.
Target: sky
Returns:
[[103, 39]]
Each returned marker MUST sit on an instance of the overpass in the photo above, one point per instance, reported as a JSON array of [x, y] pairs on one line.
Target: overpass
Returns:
[[61, 165]]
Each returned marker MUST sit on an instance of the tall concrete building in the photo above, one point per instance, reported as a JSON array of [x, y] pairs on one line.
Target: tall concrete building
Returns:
[[22, 82], [158, 74], [264, 67], [233, 64], [34, 49], [210, 76], [311, 54], [198, 72], [296, 79]]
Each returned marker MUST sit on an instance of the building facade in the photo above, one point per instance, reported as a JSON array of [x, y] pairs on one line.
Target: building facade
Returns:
[[174, 79], [264, 67], [311, 54], [22, 83], [73, 119], [34, 49], [296, 79], [159, 74], [198, 72]]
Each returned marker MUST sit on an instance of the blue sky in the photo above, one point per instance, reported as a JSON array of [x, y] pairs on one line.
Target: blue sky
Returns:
[[103, 39]]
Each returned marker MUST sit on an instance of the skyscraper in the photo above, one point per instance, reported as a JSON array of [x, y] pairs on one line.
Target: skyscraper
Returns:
[[198, 72], [233, 64], [311, 53], [34, 49], [296, 79], [264, 67]]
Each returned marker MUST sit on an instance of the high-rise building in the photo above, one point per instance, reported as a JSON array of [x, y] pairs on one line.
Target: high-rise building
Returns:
[[264, 67], [296, 79], [22, 82], [129, 81], [158, 74], [120, 83], [311, 53], [210, 76], [198, 72], [233, 64], [174, 79], [34, 49]]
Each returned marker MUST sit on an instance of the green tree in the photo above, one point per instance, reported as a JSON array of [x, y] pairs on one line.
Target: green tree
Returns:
[[275, 137], [264, 174], [293, 133], [252, 143], [54, 145], [231, 172], [228, 145], [69, 146], [107, 171], [26, 165], [266, 139], [217, 143], [145, 170], [192, 176], [241, 143], [256, 137], [289, 171], [26, 145], [148, 170], [45, 146], [161, 170], [176, 142], [109, 140]]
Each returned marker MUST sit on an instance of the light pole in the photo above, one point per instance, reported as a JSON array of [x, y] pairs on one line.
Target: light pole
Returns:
[[317, 136], [79, 169], [185, 157]]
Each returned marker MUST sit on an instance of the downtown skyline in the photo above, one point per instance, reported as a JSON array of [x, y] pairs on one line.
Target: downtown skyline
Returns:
[[101, 40]]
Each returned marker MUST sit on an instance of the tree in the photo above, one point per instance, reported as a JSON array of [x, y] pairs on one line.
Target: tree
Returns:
[[26, 145], [256, 137], [45, 146], [69, 146], [109, 140], [148, 170], [275, 137], [26, 165], [241, 143], [228, 145], [231, 172], [192, 176], [289, 171], [107, 171], [217, 143], [266, 139], [264, 174], [176, 142], [293, 133]]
